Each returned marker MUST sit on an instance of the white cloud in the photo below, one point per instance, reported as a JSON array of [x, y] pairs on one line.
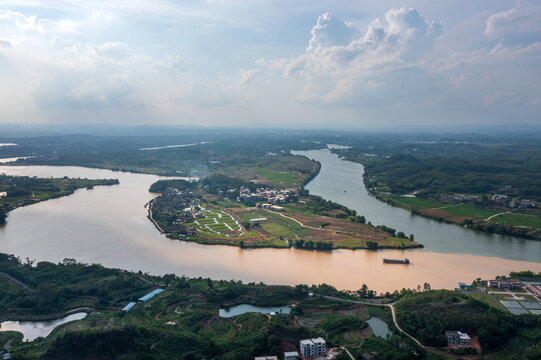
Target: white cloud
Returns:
[[336, 69], [515, 22]]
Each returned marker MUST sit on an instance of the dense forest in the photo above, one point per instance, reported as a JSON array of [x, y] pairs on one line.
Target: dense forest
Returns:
[[461, 164], [427, 315]]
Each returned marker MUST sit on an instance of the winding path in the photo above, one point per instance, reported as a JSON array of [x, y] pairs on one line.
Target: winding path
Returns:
[[391, 306], [9, 277]]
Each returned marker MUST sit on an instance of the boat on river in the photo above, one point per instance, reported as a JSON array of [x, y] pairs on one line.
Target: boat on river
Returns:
[[396, 261]]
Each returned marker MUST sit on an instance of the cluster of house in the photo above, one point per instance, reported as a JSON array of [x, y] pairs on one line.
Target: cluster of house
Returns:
[[309, 348], [270, 207], [501, 199], [513, 202], [458, 198], [504, 284], [457, 338], [175, 192], [271, 196]]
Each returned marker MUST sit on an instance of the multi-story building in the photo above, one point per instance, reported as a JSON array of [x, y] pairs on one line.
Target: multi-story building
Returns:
[[313, 347], [504, 284], [457, 338]]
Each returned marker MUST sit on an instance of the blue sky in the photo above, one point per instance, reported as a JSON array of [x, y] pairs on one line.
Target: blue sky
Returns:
[[363, 64]]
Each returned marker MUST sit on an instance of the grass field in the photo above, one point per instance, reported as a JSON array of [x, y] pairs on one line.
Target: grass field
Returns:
[[276, 225], [285, 178], [486, 298], [412, 203], [470, 211], [518, 220]]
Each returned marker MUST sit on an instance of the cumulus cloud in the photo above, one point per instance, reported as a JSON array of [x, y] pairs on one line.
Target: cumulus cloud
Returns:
[[60, 71], [518, 23], [339, 59], [330, 31]]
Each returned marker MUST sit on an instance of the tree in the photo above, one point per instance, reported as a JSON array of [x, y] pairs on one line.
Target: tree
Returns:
[[371, 245]]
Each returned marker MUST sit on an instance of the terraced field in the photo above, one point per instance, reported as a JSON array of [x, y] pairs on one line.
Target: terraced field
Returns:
[[218, 222]]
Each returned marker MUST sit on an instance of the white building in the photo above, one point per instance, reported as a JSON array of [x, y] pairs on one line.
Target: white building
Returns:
[[313, 347], [291, 355]]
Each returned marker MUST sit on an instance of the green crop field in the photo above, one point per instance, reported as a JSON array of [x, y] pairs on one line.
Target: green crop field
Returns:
[[470, 211], [413, 203], [518, 220], [285, 178]]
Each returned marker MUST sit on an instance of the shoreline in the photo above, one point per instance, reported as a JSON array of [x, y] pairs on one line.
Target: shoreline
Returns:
[[500, 229]]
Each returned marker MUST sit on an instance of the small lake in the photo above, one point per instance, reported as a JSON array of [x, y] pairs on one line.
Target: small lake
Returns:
[[379, 327], [246, 308], [31, 330]]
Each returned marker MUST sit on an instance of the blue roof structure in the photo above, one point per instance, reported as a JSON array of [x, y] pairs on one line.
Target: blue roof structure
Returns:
[[129, 306], [150, 295]]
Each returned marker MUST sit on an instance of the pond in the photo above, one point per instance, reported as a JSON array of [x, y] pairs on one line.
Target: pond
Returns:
[[379, 327], [246, 308], [31, 330]]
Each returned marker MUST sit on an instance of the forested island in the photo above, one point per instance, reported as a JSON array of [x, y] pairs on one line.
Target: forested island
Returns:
[[185, 320], [16, 191], [230, 211]]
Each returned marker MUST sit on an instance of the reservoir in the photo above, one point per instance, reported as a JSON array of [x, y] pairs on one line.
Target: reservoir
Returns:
[[247, 308], [31, 330], [108, 225]]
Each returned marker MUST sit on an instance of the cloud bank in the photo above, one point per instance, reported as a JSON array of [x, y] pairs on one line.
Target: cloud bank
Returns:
[[394, 68]]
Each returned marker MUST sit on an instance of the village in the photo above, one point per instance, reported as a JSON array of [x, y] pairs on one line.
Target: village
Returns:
[[507, 197]]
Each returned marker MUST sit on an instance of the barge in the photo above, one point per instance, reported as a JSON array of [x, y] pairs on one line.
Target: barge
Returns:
[[396, 261]]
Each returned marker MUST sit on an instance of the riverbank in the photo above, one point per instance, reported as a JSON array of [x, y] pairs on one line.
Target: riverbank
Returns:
[[463, 215], [189, 314], [294, 227], [22, 191]]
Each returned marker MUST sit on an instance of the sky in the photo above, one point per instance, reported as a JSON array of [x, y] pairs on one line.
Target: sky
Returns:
[[313, 64]]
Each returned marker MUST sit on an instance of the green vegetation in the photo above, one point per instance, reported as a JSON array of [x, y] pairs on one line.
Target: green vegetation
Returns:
[[203, 211], [471, 165], [281, 177], [262, 158], [183, 322], [428, 315], [514, 219], [161, 185], [24, 190]]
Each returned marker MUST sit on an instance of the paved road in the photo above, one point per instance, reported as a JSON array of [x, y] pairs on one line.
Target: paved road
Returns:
[[391, 306], [347, 351], [15, 280]]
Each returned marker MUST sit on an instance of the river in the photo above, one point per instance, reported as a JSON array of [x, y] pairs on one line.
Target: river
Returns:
[[108, 225]]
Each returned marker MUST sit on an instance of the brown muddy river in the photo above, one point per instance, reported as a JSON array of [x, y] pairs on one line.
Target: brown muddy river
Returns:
[[108, 225]]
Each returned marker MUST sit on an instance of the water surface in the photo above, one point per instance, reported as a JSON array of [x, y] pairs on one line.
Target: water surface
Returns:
[[31, 330], [379, 327], [246, 308], [338, 175], [109, 225]]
